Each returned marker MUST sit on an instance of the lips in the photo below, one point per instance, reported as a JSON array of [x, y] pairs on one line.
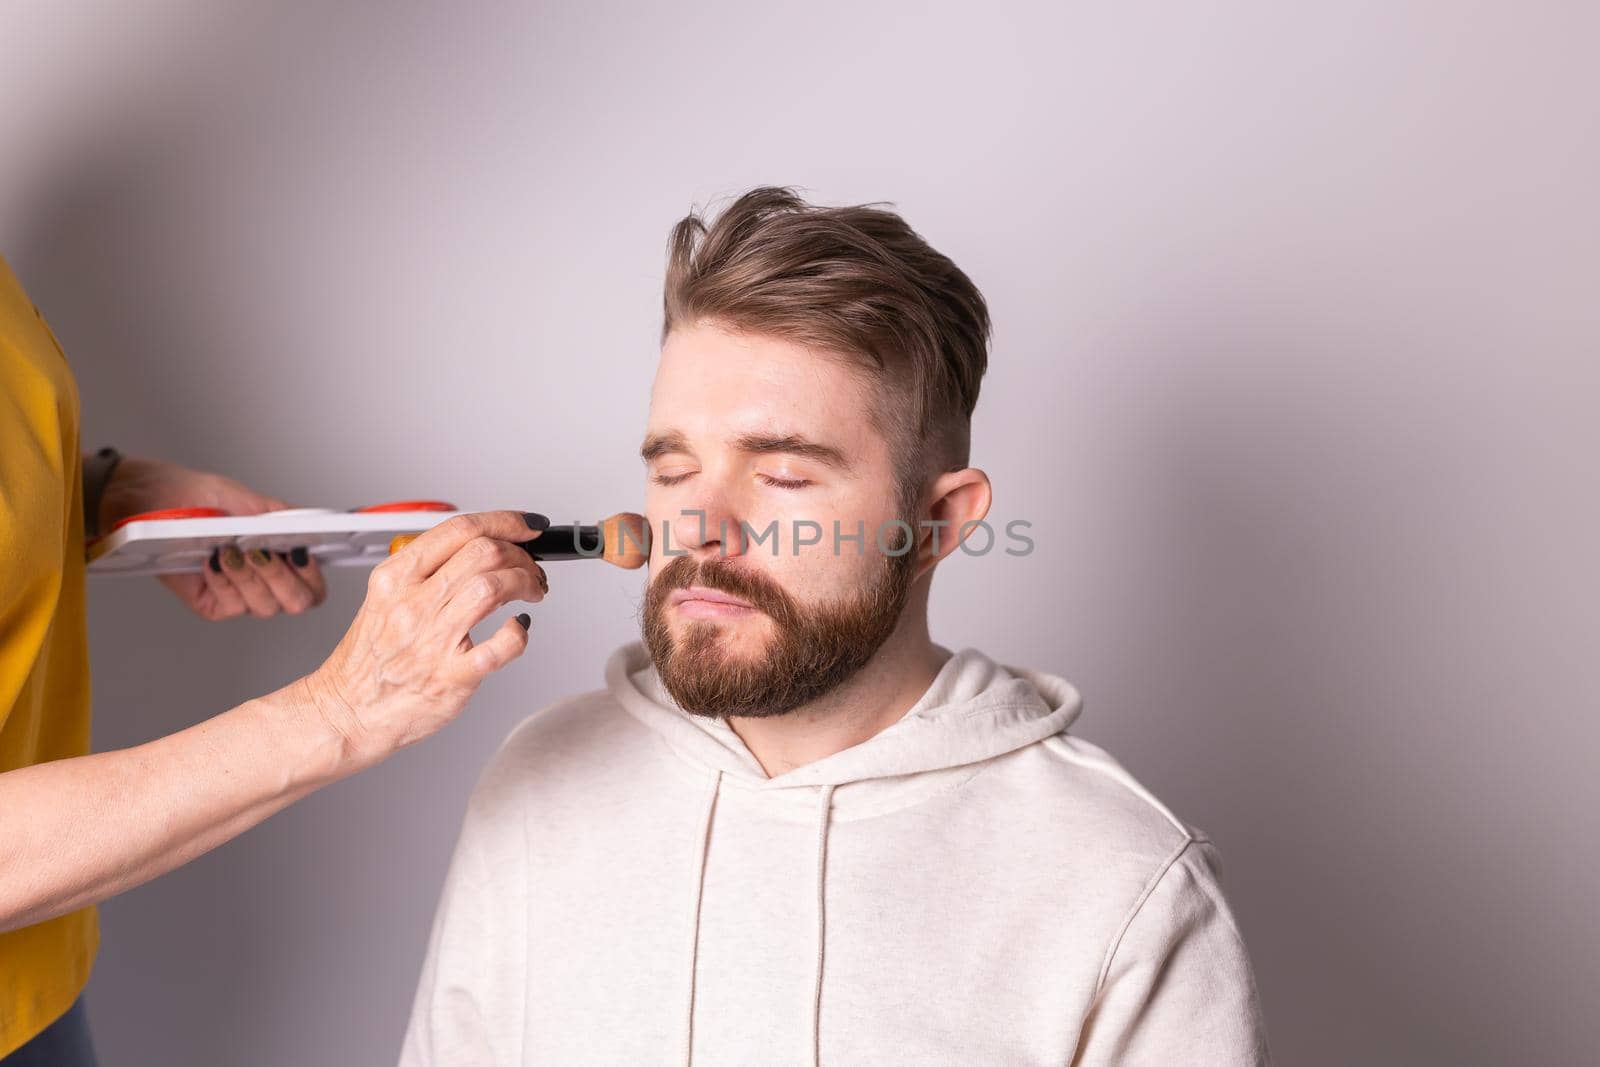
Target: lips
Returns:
[[700, 593]]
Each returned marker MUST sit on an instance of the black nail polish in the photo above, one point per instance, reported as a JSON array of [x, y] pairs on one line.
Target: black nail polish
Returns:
[[215, 563], [535, 520], [300, 556], [525, 619], [544, 581]]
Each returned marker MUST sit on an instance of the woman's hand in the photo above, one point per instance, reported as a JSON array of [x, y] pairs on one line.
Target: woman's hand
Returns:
[[76, 831], [407, 666], [234, 583]]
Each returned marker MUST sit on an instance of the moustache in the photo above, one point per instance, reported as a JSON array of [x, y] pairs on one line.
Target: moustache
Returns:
[[756, 589]]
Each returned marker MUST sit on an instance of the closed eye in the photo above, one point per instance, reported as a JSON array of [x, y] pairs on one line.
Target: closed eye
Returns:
[[668, 479], [777, 483], [784, 483]]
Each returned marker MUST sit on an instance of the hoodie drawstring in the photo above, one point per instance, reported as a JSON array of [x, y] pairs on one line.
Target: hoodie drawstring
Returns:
[[824, 818], [694, 926]]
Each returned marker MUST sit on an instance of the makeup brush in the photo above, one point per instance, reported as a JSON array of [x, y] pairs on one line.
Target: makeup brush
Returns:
[[623, 540]]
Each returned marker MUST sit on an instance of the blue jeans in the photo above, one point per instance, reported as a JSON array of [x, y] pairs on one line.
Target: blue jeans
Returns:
[[64, 1043]]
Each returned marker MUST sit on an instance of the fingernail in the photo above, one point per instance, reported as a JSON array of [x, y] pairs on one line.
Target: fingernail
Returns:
[[232, 558], [215, 562], [300, 556], [535, 521], [544, 581], [525, 619], [260, 557]]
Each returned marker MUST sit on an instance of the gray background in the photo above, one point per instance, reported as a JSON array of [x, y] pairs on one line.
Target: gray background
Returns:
[[1294, 372]]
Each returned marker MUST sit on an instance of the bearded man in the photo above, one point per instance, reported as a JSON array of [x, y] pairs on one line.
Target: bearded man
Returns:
[[792, 828]]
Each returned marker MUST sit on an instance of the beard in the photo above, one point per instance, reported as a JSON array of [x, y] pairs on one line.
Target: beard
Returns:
[[812, 651]]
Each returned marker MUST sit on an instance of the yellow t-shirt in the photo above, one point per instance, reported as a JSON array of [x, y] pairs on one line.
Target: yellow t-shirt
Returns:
[[44, 645]]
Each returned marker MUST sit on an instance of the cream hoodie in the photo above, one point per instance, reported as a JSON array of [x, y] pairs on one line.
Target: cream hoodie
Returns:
[[973, 885]]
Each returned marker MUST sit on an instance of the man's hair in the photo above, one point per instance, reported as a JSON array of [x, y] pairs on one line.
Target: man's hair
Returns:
[[856, 280]]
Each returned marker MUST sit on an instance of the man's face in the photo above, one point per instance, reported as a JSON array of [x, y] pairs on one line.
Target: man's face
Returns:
[[752, 431]]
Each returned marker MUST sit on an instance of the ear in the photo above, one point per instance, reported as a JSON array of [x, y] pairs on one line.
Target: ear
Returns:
[[955, 498]]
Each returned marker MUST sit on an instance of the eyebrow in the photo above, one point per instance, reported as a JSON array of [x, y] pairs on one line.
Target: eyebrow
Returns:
[[660, 444]]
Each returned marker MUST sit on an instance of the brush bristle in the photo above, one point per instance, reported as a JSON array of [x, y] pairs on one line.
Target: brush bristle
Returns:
[[627, 540]]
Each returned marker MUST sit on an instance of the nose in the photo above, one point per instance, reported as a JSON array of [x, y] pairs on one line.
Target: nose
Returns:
[[708, 528]]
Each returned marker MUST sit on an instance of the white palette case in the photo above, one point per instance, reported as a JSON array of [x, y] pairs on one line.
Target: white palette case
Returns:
[[335, 538]]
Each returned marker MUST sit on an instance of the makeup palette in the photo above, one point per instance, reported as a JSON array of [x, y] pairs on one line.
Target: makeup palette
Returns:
[[181, 540]]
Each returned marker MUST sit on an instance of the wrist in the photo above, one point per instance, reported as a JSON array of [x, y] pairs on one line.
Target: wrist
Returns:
[[98, 470], [322, 746], [121, 491], [329, 706]]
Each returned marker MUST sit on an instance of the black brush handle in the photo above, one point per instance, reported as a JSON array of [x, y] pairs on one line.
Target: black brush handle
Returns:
[[567, 542]]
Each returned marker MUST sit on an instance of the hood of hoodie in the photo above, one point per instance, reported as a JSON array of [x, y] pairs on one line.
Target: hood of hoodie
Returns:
[[974, 710]]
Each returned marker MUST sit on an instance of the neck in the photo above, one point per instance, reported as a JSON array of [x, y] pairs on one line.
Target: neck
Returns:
[[873, 699]]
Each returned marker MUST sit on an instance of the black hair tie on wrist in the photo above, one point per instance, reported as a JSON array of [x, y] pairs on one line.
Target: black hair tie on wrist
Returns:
[[96, 476]]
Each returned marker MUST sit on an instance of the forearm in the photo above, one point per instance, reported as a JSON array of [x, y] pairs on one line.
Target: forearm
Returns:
[[76, 831]]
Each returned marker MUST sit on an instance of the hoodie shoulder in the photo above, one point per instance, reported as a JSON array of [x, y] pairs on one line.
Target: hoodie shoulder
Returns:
[[1077, 796], [1092, 825], [1117, 787], [1091, 792], [581, 737], [565, 718]]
